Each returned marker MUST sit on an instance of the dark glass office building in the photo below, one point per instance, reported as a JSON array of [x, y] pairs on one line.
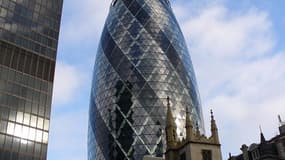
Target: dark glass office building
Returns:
[[29, 32], [142, 59]]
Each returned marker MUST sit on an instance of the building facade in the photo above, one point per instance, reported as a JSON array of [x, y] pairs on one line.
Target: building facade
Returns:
[[273, 149], [29, 31], [142, 58], [195, 145]]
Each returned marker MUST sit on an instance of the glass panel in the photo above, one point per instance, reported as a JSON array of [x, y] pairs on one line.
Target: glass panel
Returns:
[[27, 119], [40, 123], [2, 139], [32, 134], [18, 130], [3, 126], [25, 132], [45, 137], [39, 136], [10, 128], [33, 121], [8, 143], [12, 115], [19, 117], [46, 125], [37, 149]]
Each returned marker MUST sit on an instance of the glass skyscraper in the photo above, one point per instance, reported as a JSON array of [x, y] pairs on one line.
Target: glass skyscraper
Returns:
[[29, 32], [142, 59]]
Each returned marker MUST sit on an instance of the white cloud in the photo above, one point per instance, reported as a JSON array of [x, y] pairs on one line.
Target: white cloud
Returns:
[[68, 80], [222, 40], [239, 73], [229, 35]]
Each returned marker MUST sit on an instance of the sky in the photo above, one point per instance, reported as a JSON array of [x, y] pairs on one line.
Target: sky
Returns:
[[238, 52]]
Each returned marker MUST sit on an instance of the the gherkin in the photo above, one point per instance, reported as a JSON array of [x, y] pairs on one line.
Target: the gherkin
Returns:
[[142, 59]]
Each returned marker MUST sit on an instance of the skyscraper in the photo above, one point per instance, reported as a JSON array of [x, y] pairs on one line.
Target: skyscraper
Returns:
[[29, 32], [142, 59]]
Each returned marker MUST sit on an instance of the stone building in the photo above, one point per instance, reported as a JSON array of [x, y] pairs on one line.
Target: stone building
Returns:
[[195, 146], [273, 149]]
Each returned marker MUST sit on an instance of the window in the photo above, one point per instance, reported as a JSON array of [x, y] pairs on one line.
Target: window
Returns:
[[114, 2], [255, 154], [183, 156], [207, 154]]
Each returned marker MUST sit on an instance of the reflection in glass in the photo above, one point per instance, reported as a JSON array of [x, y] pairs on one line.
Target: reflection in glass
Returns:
[[18, 130], [142, 59], [45, 137], [25, 132], [32, 134], [26, 119], [19, 117], [39, 136], [40, 123], [10, 128], [28, 44], [33, 121]]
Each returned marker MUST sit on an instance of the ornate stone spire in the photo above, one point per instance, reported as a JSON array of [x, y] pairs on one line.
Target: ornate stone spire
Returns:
[[281, 125], [262, 138], [188, 126], [214, 129], [171, 135], [280, 120], [170, 120]]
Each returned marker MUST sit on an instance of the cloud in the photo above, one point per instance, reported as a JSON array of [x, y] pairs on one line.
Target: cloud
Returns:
[[240, 73], [68, 79], [223, 40], [228, 34]]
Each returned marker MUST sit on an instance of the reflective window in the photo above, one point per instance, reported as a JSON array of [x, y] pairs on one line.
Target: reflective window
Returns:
[[28, 43], [142, 59]]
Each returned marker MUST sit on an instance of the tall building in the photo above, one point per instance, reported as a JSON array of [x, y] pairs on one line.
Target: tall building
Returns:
[[29, 32], [142, 58]]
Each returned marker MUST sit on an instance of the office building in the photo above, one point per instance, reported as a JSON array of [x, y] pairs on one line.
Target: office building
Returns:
[[142, 58], [29, 31]]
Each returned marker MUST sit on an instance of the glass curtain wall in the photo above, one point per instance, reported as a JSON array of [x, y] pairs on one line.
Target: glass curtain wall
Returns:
[[29, 31], [142, 59]]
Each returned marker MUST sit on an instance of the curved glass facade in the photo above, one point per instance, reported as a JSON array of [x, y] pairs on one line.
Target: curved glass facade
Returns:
[[142, 58]]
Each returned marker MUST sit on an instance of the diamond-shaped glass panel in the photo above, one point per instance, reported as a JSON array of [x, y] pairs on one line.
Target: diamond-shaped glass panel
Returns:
[[142, 59]]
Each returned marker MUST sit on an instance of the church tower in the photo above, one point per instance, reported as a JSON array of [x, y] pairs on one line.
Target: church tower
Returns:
[[214, 130], [195, 146], [171, 128]]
